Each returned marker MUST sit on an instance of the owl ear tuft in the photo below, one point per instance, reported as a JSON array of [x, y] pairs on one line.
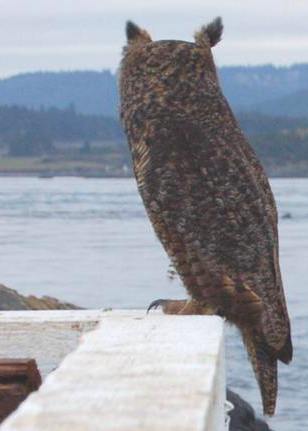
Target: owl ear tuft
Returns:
[[136, 34], [211, 33]]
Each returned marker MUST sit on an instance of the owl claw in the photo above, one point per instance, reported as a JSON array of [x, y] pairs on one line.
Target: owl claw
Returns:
[[156, 304]]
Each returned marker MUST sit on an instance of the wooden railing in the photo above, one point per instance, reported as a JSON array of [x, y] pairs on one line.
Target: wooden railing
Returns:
[[132, 372]]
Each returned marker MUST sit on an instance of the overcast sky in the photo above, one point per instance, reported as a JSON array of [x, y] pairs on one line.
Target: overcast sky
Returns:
[[88, 34]]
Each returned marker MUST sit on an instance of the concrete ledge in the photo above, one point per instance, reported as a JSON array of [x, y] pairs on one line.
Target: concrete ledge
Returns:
[[134, 373]]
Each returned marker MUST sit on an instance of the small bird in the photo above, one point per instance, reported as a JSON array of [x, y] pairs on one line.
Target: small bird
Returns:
[[206, 193]]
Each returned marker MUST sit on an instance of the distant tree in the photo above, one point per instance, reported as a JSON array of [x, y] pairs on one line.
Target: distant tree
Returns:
[[71, 108], [86, 148], [61, 125], [30, 143]]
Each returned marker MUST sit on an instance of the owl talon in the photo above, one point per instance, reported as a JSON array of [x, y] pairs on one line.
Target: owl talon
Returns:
[[157, 303]]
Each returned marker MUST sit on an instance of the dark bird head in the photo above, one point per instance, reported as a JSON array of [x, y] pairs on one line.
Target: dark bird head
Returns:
[[164, 56], [168, 77]]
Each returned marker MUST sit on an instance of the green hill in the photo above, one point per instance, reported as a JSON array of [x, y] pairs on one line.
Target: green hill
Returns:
[[90, 92], [258, 88], [67, 122], [292, 105]]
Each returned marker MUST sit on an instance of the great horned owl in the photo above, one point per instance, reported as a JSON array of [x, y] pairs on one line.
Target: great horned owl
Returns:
[[206, 193]]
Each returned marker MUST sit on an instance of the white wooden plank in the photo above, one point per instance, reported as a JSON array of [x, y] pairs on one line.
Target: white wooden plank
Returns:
[[135, 372]]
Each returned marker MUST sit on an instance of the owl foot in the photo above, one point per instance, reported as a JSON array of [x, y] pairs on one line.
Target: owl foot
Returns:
[[157, 303], [172, 306], [169, 306]]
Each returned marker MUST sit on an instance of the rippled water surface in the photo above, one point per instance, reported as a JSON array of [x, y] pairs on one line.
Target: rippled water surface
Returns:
[[88, 241]]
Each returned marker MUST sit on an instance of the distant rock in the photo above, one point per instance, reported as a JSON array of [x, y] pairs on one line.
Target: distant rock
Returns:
[[286, 216], [243, 416], [10, 299]]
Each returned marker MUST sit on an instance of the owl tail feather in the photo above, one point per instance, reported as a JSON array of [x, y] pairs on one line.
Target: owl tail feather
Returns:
[[265, 368]]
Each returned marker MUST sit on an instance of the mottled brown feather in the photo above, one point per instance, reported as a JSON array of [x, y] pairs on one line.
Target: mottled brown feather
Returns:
[[206, 193]]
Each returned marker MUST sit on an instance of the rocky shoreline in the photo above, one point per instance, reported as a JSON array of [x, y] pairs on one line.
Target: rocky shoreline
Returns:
[[10, 299]]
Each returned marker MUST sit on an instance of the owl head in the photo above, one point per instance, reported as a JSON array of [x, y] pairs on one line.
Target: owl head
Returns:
[[193, 61]]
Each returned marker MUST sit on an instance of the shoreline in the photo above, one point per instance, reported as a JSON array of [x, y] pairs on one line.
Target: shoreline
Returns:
[[47, 175], [59, 175]]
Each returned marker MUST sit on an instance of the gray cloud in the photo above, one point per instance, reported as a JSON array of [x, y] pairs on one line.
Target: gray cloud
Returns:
[[89, 34]]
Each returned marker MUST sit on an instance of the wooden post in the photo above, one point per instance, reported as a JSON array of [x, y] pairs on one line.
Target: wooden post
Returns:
[[18, 378]]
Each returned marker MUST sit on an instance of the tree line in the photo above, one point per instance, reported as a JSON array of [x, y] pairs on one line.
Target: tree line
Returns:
[[29, 132]]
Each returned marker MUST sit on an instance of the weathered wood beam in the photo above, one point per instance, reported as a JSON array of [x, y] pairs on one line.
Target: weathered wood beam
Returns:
[[18, 378]]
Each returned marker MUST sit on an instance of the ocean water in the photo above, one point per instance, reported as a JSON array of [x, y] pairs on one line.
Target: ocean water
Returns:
[[88, 241]]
